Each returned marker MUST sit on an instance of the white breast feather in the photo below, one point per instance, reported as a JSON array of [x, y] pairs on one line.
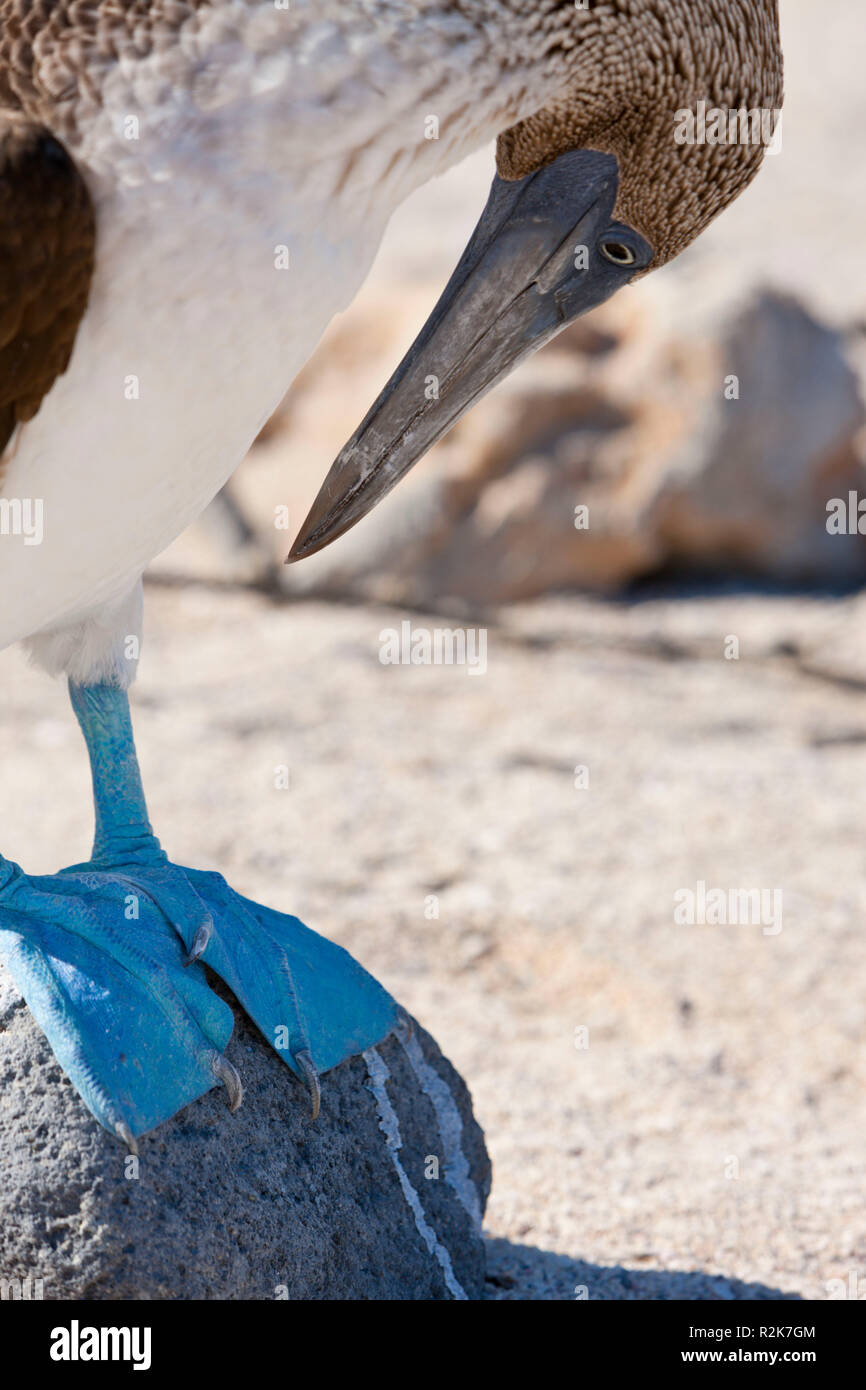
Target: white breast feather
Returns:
[[266, 129]]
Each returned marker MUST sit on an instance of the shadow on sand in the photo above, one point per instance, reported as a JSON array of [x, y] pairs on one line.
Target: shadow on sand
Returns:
[[523, 1272]]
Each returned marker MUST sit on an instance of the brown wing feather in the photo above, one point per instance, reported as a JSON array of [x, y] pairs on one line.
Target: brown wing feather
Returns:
[[47, 240]]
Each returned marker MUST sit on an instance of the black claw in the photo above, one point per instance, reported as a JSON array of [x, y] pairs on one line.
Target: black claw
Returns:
[[199, 943], [307, 1067], [123, 1132], [228, 1075]]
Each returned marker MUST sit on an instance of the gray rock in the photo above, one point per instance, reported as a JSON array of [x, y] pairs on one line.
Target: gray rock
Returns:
[[747, 492], [261, 1204]]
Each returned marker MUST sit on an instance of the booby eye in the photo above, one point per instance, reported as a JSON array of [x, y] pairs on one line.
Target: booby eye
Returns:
[[617, 252]]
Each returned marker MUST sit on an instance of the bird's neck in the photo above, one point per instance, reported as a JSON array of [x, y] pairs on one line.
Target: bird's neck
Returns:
[[351, 97]]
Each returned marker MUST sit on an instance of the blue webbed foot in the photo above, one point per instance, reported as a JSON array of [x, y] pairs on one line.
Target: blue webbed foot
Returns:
[[98, 953], [312, 1000], [139, 1034]]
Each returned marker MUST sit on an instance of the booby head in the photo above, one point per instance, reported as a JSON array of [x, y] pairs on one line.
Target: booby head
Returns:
[[604, 184]]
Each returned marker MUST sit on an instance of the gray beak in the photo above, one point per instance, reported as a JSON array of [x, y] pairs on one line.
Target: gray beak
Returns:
[[544, 252]]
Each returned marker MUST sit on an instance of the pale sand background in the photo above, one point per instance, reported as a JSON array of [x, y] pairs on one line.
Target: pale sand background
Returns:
[[713, 1129], [706, 1044]]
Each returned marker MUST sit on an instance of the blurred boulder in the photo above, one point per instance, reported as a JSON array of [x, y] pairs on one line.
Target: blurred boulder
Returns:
[[626, 448], [748, 493]]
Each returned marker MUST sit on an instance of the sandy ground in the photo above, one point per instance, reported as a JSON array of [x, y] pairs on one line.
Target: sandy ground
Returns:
[[707, 1127]]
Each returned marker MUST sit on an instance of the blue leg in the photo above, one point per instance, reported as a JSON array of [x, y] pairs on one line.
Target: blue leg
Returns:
[[102, 969], [310, 998]]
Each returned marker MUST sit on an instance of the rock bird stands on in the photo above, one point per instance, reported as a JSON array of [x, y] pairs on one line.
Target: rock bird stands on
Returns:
[[156, 156]]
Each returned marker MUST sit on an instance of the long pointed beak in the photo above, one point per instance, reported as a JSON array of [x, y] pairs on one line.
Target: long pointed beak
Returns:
[[534, 263]]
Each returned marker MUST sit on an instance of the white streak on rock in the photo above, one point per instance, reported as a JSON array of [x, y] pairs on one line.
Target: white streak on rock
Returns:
[[378, 1072], [456, 1167]]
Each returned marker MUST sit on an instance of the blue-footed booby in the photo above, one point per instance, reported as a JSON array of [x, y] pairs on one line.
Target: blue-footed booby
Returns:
[[189, 191]]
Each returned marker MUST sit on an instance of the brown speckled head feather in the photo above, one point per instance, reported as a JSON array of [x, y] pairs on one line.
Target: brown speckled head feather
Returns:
[[47, 238], [635, 64]]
